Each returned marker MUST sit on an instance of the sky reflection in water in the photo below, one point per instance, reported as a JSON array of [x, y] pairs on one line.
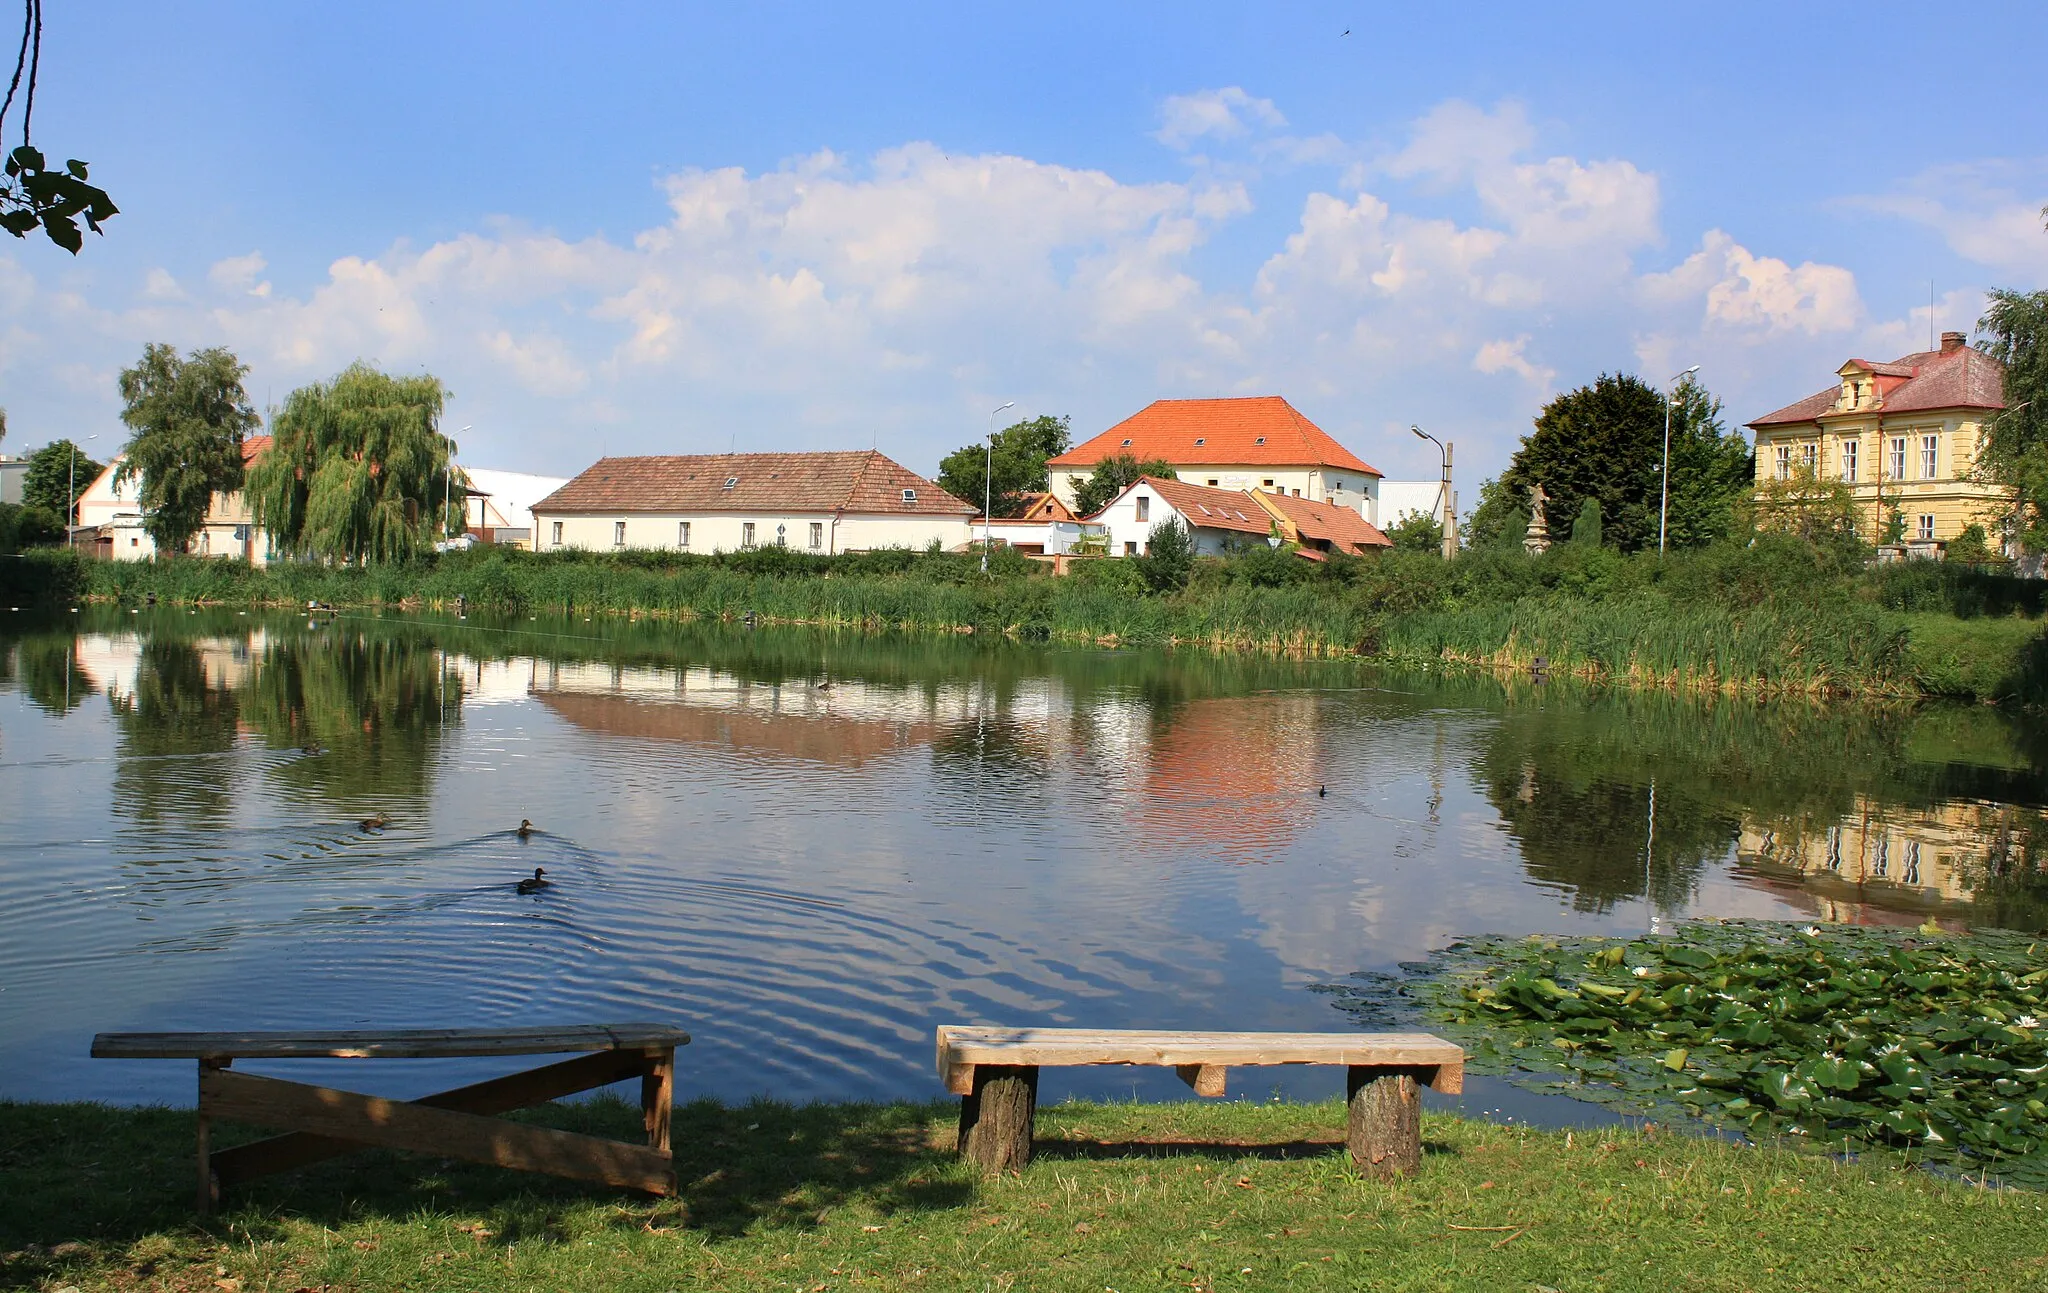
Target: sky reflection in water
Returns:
[[811, 878]]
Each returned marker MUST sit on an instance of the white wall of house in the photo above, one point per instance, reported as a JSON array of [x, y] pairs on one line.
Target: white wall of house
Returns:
[[229, 530], [1051, 537], [719, 532], [1358, 491], [1131, 518]]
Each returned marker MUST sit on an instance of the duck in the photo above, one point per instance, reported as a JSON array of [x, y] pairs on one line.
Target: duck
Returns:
[[533, 883], [526, 828], [375, 823], [314, 748], [1322, 792], [824, 686]]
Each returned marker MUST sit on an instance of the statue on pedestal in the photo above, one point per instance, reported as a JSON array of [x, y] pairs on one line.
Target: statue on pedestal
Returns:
[[1538, 538]]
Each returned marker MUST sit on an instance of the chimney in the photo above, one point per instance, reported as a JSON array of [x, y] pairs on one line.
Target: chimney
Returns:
[[1951, 342]]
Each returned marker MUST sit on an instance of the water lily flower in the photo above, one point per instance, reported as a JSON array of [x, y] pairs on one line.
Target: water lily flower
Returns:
[[1811, 931], [2026, 1021], [1641, 971]]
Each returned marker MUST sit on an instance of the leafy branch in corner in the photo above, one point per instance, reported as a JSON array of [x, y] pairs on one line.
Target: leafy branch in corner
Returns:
[[33, 194]]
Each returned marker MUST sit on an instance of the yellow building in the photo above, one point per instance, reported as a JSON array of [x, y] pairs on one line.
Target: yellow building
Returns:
[[1903, 434]]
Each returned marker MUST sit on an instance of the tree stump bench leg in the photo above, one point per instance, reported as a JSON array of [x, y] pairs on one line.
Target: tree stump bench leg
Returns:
[[996, 1116], [209, 1184], [1384, 1131], [658, 1096]]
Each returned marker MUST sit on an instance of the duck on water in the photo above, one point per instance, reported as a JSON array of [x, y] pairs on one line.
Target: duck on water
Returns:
[[533, 883]]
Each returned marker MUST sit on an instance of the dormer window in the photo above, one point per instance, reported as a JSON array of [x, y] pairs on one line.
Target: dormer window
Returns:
[[910, 496]]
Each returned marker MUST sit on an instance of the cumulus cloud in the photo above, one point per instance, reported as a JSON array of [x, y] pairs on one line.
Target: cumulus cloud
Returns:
[[1761, 295], [1511, 356], [240, 274], [1989, 212], [1228, 113]]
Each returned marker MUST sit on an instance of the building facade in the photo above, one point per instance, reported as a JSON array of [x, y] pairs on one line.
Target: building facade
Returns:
[[824, 503], [115, 511], [1258, 442], [1902, 435]]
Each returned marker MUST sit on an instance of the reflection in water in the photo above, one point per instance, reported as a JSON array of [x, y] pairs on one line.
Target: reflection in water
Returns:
[[811, 848]]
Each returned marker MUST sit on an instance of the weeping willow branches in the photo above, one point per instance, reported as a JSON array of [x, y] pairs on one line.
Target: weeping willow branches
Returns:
[[358, 470]]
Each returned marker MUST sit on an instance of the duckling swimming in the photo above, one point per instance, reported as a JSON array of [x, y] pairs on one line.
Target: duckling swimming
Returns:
[[533, 883], [526, 828], [376, 823]]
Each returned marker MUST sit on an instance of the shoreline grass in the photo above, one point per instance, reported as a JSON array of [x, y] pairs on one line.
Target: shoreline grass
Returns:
[[1767, 619], [1175, 1195]]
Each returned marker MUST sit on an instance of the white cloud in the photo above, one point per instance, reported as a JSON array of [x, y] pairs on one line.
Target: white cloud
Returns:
[[240, 274], [892, 299], [1228, 113], [1990, 212]]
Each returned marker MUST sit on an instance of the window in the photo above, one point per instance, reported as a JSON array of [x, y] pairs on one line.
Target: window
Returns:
[[1912, 875], [1144, 505], [555, 534], [910, 496], [1883, 863], [1784, 461], [1260, 440], [1849, 461], [1834, 848], [1267, 482], [746, 534], [1809, 458], [1927, 529], [817, 534], [1898, 457], [618, 534], [1200, 440], [1297, 493], [730, 481], [1930, 451], [1127, 442], [1212, 482], [1130, 548], [682, 534]]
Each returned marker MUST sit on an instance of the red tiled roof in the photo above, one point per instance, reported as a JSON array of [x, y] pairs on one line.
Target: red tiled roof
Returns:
[[1262, 430], [1210, 509], [1340, 527], [253, 447], [861, 481], [1963, 378]]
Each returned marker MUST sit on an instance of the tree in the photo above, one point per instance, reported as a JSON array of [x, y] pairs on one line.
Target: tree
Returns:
[[32, 194], [1500, 522], [188, 417], [51, 476], [2015, 449], [1014, 469], [1112, 476], [1606, 442], [358, 470], [1169, 558], [1586, 529], [1971, 547], [1821, 511], [1417, 532]]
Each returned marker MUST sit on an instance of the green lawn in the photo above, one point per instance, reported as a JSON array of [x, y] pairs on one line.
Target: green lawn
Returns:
[[1122, 1197]]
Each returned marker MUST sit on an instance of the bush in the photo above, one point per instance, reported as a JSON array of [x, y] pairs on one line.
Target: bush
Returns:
[[1169, 558]]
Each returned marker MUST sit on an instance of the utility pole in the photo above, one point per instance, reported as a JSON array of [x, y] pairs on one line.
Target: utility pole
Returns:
[[1450, 507]]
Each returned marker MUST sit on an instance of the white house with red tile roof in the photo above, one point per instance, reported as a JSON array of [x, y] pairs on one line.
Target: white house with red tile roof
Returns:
[[1216, 519], [1257, 442], [116, 511], [723, 502]]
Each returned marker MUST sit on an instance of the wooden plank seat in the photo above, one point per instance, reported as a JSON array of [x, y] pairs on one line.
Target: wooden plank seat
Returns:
[[324, 1122], [995, 1073]]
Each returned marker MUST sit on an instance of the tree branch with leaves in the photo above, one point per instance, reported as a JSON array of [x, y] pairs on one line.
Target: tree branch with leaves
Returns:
[[33, 194]]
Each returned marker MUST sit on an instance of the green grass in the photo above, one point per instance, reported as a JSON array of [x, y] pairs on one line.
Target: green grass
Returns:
[[1123, 1197]]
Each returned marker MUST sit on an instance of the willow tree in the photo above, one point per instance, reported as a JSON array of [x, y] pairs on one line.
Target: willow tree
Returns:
[[358, 469], [188, 417]]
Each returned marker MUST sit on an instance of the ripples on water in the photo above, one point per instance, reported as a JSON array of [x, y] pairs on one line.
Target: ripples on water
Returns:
[[811, 878]]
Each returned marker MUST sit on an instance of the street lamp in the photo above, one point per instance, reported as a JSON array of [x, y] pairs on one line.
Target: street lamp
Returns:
[[1664, 489], [71, 491], [988, 477], [1443, 491], [448, 488]]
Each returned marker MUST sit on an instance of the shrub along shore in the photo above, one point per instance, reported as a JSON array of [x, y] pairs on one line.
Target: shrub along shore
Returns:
[[1122, 1196], [1776, 616]]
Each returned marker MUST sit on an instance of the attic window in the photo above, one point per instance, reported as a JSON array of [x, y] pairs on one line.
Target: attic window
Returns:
[[1127, 442], [1200, 440], [730, 481], [910, 496], [1260, 440]]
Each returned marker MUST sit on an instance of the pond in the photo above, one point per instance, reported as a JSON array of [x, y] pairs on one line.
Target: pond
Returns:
[[810, 849]]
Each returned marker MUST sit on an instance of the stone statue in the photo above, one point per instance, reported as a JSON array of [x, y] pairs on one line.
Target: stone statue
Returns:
[[1538, 538]]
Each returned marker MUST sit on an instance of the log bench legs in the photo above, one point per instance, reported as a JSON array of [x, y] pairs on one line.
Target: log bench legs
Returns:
[[1383, 1125], [1383, 1128], [996, 1116]]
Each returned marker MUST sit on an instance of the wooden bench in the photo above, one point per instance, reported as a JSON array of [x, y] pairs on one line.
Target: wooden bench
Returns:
[[324, 1122], [995, 1072]]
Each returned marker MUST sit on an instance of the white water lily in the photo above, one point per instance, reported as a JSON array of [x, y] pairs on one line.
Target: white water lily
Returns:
[[2026, 1021], [1811, 931], [1641, 971]]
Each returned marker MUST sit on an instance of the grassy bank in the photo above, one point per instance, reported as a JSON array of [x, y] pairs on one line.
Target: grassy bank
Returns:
[[1775, 616], [1122, 1197]]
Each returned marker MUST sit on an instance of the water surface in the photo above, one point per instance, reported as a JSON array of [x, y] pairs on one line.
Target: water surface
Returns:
[[810, 849]]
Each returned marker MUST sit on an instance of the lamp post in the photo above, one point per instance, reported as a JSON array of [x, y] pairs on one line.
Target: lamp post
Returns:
[[71, 491], [1664, 487], [988, 477], [1450, 536], [448, 488]]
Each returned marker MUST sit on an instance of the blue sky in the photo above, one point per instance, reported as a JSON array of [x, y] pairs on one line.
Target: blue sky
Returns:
[[688, 228]]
